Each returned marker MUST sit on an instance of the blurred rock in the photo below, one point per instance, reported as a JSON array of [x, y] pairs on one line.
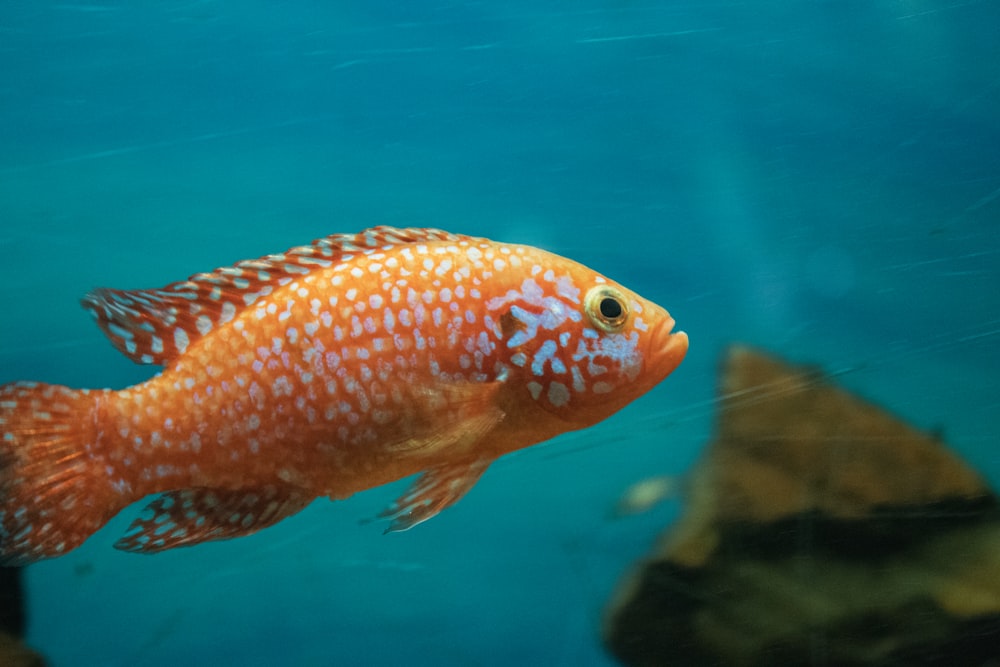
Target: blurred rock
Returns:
[[13, 653], [11, 602], [818, 530]]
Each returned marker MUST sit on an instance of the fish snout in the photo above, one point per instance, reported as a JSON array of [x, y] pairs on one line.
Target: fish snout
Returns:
[[667, 347]]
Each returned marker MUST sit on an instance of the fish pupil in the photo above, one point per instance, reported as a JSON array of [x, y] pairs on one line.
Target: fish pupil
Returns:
[[610, 308]]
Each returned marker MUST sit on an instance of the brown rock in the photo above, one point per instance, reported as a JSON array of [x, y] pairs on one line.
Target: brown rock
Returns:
[[819, 530], [15, 654]]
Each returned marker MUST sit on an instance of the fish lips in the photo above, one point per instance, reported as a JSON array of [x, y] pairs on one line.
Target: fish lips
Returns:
[[667, 348]]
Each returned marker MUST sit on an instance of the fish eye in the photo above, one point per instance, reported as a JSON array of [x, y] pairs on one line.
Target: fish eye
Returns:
[[607, 308], [610, 307]]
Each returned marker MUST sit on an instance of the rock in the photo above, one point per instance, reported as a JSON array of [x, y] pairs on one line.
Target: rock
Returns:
[[13, 653], [818, 530], [11, 602]]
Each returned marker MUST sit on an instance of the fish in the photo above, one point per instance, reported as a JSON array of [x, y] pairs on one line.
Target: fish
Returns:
[[647, 493], [331, 368]]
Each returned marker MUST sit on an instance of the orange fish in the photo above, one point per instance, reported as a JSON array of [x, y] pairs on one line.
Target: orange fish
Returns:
[[323, 371]]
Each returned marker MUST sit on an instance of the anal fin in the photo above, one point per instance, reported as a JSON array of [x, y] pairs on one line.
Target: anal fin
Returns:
[[190, 516], [433, 491]]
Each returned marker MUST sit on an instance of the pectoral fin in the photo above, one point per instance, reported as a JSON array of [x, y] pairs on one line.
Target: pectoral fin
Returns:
[[433, 491], [452, 418]]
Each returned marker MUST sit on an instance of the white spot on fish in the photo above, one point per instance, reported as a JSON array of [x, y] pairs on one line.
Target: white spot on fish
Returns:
[[566, 289], [545, 353], [228, 313], [558, 394], [181, 340], [281, 386]]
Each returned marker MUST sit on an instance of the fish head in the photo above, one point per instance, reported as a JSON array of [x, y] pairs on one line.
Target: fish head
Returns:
[[579, 345]]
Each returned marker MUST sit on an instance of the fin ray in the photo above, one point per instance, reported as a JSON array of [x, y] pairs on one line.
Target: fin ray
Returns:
[[51, 496], [434, 491], [472, 412], [187, 517]]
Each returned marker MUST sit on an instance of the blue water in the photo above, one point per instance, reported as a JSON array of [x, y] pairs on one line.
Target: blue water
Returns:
[[821, 179]]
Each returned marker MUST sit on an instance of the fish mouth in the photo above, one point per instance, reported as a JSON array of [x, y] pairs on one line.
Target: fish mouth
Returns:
[[669, 346]]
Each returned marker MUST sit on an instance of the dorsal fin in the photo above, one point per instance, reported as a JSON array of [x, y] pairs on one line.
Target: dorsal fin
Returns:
[[157, 325]]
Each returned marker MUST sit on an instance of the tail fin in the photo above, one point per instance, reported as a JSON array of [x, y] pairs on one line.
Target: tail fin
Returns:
[[51, 498]]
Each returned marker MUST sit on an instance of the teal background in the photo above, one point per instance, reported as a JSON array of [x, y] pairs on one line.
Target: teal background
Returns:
[[821, 179]]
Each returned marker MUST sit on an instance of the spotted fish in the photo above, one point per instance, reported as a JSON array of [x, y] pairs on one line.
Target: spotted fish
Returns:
[[322, 371]]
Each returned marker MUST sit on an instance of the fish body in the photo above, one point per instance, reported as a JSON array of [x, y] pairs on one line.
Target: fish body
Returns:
[[323, 371]]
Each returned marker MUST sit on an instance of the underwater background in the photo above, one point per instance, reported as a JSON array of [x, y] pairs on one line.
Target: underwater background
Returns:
[[819, 179]]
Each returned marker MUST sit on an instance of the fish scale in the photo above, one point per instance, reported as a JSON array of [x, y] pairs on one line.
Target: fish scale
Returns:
[[320, 372]]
